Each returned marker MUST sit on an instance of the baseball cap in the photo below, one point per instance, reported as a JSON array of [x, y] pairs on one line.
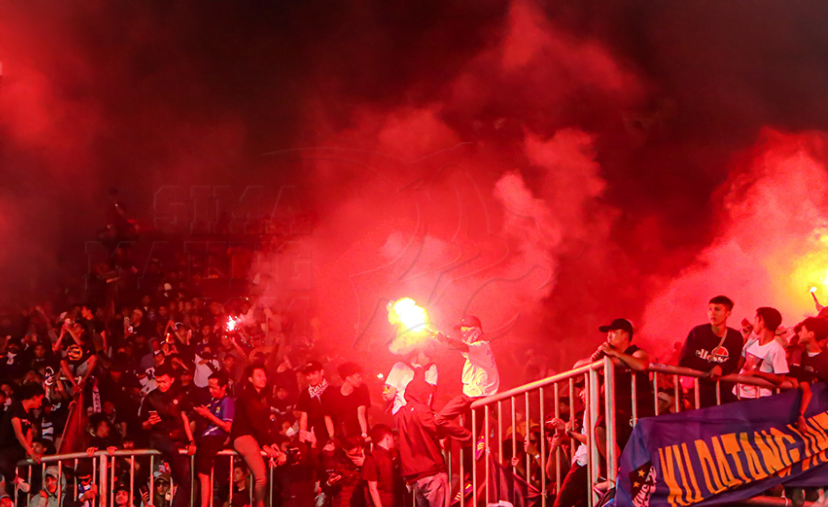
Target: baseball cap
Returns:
[[622, 324], [312, 366], [469, 321]]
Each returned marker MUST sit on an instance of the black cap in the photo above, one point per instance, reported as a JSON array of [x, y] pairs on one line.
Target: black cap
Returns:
[[622, 324], [312, 366]]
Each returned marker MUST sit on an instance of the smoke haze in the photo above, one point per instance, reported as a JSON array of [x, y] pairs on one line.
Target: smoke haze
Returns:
[[545, 167]]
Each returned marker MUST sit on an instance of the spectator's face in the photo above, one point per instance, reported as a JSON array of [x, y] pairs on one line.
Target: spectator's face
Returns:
[[38, 448], [717, 314], [314, 377], [162, 487], [159, 359], [229, 362], [216, 391], [51, 484], [164, 382], [205, 330], [239, 474], [281, 393], [108, 407], [758, 325], [186, 377], [102, 430], [355, 379], [617, 338], [259, 379], [136, 316], [39, 351], [37, 401], [805, 336], [121, 497]]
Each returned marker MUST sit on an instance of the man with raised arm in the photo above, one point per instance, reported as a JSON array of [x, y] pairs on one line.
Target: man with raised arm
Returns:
[[480, 375]]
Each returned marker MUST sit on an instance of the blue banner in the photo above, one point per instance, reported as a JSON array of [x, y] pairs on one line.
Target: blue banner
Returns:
[[725, 453]]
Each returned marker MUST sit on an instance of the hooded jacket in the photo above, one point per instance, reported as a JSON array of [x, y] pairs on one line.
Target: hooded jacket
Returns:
[[50, 500]]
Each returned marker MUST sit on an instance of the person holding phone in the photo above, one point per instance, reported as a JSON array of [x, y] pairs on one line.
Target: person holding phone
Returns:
[[164, 416]]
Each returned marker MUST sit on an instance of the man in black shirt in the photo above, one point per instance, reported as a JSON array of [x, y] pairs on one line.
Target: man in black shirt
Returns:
[[350, 402], [631, 361], [814, 362], [381, 470], [714, 349], [164, 417], [314, 406], [16, 432]]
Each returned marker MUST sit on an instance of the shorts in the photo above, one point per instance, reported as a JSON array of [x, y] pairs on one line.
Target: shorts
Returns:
[[206, 450]]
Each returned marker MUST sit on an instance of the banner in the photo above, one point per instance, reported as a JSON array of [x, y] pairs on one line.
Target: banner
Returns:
[[725, 453]]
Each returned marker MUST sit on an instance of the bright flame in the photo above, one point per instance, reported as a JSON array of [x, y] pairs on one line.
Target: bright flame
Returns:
[[412, 325], [232, 323], [809, 269], [413, 317]]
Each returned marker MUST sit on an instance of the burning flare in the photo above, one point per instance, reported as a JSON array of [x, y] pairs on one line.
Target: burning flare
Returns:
[[412, 325]]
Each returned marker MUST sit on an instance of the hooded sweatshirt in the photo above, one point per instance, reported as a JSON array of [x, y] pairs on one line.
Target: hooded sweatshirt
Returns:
[[50, 500]]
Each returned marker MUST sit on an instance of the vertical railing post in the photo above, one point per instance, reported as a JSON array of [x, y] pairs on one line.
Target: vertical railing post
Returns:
[[609, 418], [542, 443], [486, 449], [103, 489], [591, 384], [655, 392], [474, 453]]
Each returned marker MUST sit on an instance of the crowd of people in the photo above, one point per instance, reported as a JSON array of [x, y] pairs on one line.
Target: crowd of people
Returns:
[[168, 369]]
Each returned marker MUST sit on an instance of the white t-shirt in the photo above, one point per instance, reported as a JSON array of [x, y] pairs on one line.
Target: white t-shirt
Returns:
[[480, 377], [399, 377], [769, 358], [201, 377]]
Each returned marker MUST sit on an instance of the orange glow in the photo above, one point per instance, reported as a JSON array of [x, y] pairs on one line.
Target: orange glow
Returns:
[[412, 325], [810, 270]]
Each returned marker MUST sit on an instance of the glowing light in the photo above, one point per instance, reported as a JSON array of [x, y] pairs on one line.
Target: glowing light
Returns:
[[412, 325], [406, 312], [232, 323], [813, 289], [380, 376]]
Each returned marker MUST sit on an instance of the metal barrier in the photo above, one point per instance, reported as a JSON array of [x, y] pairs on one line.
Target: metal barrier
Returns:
[[103, 475], [587, 379]]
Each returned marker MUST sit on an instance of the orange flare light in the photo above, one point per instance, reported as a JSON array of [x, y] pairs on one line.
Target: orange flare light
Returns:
[[412, 325], [813, 289]]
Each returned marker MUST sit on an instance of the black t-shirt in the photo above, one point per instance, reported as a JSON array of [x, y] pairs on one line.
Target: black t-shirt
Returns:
[[317, 408], [344, 408], [8, 439], [381, 466], [703, 350], [623, 389], [811, 368], [169, 406]]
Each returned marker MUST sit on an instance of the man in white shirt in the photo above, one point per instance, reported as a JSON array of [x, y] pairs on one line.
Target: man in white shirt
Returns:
[[480, 376], [763, 357], [401, 375]]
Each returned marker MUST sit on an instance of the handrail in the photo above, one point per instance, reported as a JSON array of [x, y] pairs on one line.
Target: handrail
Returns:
[[538, 384], [655, 367], [119, 453]]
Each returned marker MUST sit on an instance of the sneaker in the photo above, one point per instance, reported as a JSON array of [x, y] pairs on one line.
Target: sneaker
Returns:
[[479, 447], [467, 491]]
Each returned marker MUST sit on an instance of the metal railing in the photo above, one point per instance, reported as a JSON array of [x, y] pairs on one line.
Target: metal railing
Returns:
[[103, 475], [531, 399]]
